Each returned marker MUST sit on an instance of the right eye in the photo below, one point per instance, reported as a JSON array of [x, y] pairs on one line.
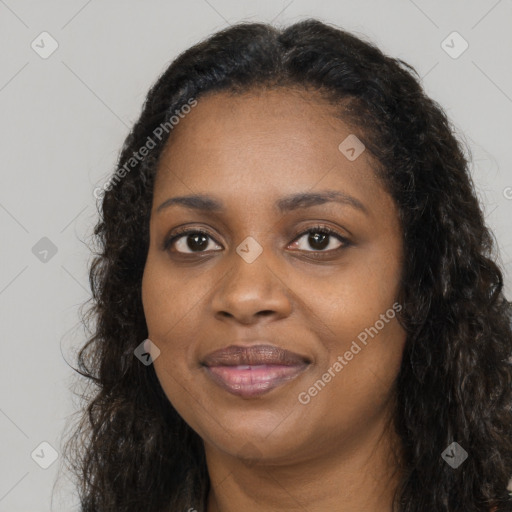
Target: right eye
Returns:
[[188, 241]]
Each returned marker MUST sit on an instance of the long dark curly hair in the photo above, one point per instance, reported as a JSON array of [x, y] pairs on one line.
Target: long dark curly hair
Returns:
[[131, 451]]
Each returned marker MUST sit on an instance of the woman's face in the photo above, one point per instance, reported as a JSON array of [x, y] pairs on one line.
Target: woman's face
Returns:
[[258, 279]]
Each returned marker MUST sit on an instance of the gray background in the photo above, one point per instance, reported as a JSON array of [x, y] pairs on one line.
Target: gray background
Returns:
[[64, 118]]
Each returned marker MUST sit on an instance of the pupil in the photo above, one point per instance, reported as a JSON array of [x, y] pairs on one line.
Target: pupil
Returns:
[[197, 245], [315, 243]]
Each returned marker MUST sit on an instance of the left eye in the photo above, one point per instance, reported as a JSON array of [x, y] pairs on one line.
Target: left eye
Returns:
[[320, 239]]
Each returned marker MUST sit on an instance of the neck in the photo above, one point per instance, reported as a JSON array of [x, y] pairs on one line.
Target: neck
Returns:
[[362, 473]]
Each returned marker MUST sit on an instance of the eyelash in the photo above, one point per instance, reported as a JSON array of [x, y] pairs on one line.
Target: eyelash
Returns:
[[314, 229]]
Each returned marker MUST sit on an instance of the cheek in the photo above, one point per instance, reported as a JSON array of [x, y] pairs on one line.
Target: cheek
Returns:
[[359, 309], [355, 297], [358, 389], [166, 299], [168, 316]]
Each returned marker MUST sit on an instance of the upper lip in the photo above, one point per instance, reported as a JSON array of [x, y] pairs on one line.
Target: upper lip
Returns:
[[235, 355]]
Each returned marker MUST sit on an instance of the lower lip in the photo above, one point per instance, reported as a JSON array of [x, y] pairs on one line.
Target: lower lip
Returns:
[[251, 381]]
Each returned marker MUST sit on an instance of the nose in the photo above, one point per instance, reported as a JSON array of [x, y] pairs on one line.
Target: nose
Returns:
[[251, 291]]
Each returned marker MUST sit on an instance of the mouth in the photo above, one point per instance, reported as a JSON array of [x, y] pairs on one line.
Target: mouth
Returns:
[[253, 371]]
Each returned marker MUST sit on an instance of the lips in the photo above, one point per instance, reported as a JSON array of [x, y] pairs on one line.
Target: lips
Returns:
[[254, 370], [255, 355]]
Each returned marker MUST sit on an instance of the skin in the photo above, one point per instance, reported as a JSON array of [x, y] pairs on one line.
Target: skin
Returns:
[[268, 453]]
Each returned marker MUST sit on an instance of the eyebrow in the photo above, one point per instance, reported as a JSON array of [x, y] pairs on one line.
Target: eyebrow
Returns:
[[285, 204]]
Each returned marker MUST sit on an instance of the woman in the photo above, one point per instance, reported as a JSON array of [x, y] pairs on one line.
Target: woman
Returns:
[[296, 300]]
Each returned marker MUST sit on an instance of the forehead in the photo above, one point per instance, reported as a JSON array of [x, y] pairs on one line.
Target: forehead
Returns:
[[267, 140]]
